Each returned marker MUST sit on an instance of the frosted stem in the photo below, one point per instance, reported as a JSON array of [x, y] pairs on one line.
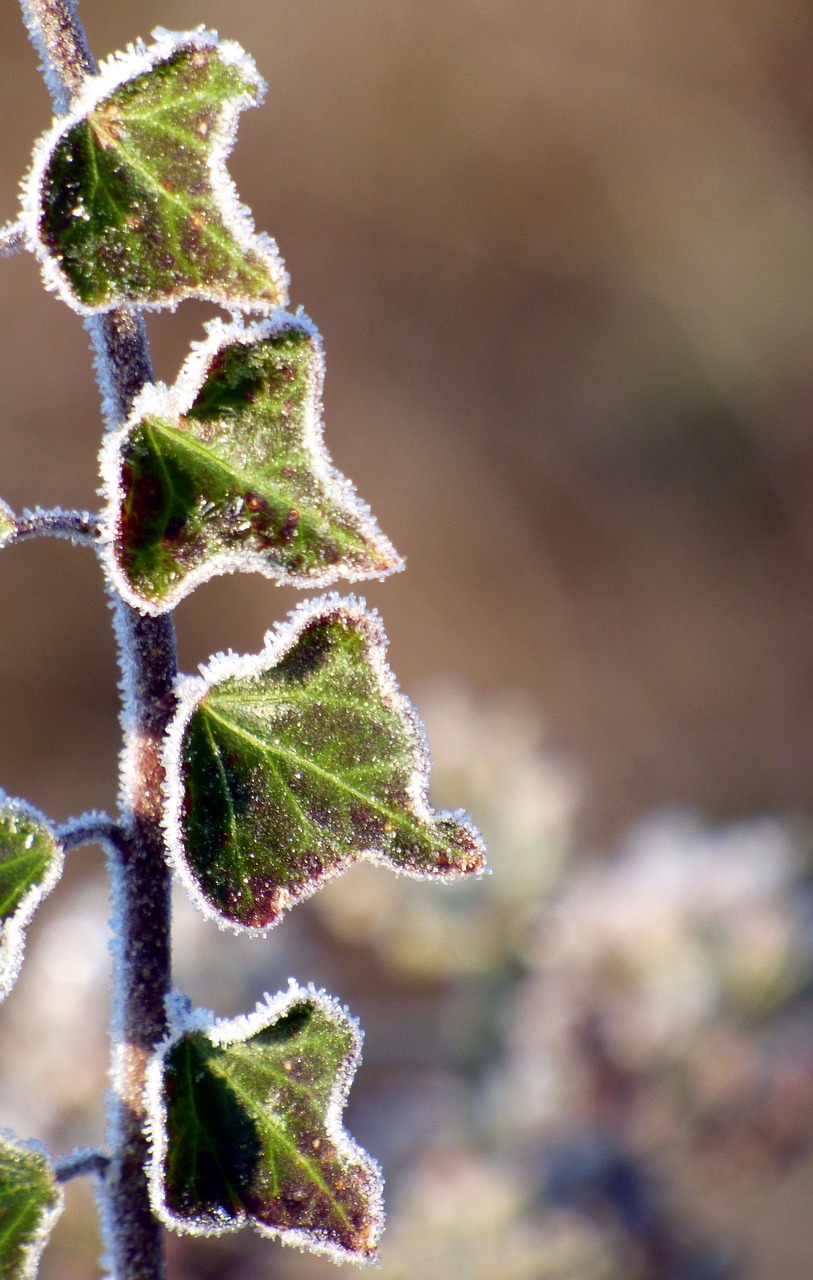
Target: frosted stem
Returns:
[[91, 828], [141, 976], [77, 526], [81, 1164], [59, 38], [141, 970]]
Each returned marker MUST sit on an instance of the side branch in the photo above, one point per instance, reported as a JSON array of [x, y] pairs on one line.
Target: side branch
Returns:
[[92, 828], [79, 527], [81, 1164]]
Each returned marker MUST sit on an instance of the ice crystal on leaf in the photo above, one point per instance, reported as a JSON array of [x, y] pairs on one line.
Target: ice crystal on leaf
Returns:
[[227, 471], [30, 1202], [30, 865], [246, 1127], [286, 767], [128, 202]]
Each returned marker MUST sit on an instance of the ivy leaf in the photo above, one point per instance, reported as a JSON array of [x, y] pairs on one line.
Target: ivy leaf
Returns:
[[227, 471], [31, 1200], [128, 202], [30, 864], [284, 768], [8, 524], [245, 1121]]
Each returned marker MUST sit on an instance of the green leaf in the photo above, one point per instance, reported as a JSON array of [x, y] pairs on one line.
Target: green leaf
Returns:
[[128, 202], [227, 471], [30, 865], [31, 1200], [284, 768], [246, 1127], [8, 524]]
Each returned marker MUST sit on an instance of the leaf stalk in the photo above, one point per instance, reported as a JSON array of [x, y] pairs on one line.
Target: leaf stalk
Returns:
[[78, 527]]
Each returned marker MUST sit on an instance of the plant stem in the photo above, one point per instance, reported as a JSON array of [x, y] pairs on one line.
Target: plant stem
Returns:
[[81, 1164], [147, 661], [92, 828], [141, 974], [76, 526]]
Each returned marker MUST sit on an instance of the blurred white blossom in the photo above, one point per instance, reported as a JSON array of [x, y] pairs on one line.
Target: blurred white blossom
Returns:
[[492, 759]]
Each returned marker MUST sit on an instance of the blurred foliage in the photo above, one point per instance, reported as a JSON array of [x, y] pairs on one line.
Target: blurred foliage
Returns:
[[564, 1034]]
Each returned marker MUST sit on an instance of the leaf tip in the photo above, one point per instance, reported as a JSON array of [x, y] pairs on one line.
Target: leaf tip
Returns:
[[463, 852]]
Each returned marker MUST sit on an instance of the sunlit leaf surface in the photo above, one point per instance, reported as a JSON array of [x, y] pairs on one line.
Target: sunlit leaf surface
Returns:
[[30, 1202], [247, 1128], [227, 471], [286, 767], [128, 200], [30, 865]]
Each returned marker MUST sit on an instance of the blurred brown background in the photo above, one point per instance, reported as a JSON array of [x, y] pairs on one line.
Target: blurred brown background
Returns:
[[562, 258], [561, 254]]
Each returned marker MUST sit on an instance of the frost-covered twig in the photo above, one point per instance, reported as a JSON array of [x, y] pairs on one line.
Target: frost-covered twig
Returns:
[[148, 669], [81, 1163], [79, 527], [58, 37], [92, 828]]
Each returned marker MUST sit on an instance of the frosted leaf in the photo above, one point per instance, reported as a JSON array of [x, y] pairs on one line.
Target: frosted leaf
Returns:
[[227, 471], [30, 865], [128, 202], [246, 1127], [31, 1200], [284, 768]]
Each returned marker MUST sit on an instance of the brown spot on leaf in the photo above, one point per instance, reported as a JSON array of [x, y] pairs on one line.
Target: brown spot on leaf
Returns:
[[311, 866], [173, 530], [289, 525], [105, 125], [465, 860], [370, 826], [266, 905]]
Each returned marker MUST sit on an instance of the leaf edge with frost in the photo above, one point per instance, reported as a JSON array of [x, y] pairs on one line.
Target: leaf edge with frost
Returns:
[[160, 400], [32, 1252], [190, 690], [12, 929], [136, 60], [183, 1019]]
